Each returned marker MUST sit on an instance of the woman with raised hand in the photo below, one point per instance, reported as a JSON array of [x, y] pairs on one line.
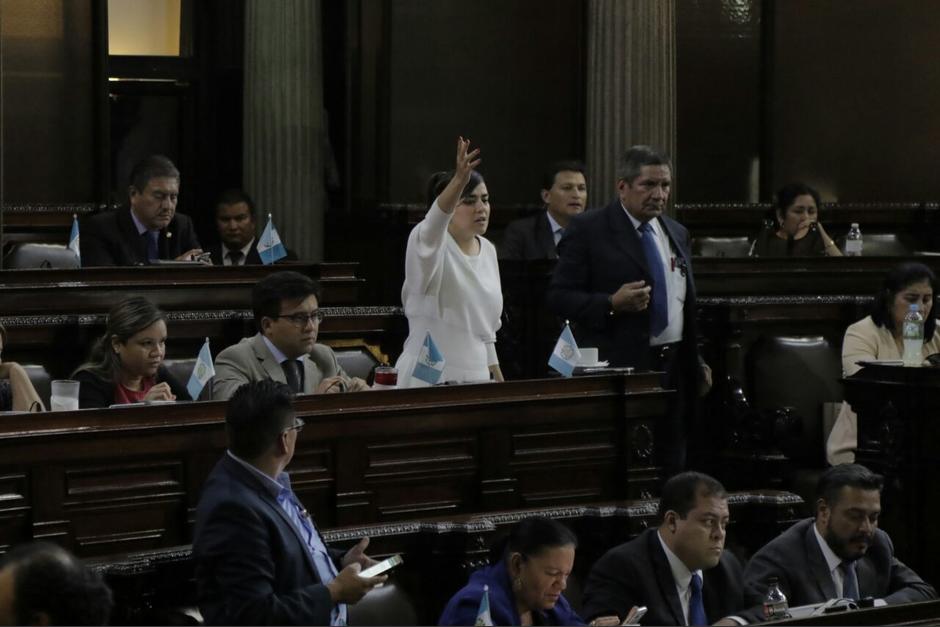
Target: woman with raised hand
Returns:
[[452, 288], [126, 363]]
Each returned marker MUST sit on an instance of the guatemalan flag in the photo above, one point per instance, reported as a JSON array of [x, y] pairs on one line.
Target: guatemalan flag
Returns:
[[430, 364], [202, 372], [74, 240], [270, 247], [484, 619], [566, 354]]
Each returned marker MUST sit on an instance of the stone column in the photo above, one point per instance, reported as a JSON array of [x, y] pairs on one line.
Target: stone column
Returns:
[[631, 84], [284, 121]]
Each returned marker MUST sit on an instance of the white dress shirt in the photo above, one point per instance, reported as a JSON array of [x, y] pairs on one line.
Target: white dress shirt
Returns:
[[227, 261], [682, 576]]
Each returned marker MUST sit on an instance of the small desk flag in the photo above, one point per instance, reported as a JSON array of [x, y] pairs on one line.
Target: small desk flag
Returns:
[[270, 247], [202, 372], [74, 240], [566, 354], [430, 364], [484, 619]]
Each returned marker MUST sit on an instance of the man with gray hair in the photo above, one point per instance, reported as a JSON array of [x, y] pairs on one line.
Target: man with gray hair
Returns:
[[624, 276], [148, 229]]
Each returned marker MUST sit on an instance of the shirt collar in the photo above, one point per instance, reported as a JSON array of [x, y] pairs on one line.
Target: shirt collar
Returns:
[[680, 572], [244, 248], [276, 352], [141, 229], [832, 560], [552, 223], [273, 486], [637, 224]]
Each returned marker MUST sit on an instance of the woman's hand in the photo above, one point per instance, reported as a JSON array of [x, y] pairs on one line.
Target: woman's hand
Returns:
[[160, 392], [467, 160]]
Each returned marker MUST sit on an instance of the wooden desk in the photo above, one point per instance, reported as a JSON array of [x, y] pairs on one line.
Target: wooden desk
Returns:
[[107, 481], [898, 431]]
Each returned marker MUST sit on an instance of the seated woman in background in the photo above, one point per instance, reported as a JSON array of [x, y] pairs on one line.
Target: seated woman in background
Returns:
[[126, 363], [798, 232], [878, 336], [452, 287], [16, 390], [525, 586]]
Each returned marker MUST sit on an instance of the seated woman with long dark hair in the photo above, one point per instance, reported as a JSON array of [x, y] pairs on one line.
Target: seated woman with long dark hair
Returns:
[[126, 363], [16, 390], [798, 232], [525, 586], [878, 336]]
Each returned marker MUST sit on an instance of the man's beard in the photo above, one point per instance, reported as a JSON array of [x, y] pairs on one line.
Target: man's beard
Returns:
[[841, 547]]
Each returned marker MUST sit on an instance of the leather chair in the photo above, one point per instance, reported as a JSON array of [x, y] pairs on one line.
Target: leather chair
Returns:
[[884, 245], [180, 369], [721, 247], [388, 605], [357, 361], [33, 255], [41, 381]]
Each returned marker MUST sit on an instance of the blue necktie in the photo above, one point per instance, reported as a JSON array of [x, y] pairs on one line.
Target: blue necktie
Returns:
[[696, 606], [849, 581], [152, 251], [659, 313]]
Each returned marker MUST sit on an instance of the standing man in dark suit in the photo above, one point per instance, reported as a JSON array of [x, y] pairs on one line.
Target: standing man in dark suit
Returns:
[[564, 193], [236, 221], [147, 229], [680, 570], [260, 559], [841, 553], [624, 275]]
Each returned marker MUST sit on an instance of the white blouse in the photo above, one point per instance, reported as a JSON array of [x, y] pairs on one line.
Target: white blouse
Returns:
[[457, 297]]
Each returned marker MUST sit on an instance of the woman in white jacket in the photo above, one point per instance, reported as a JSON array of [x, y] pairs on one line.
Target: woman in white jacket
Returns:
[[452, 288]]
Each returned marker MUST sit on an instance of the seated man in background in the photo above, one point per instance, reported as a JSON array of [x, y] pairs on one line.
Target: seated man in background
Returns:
[[286, 306], [260, 559], [149, 228], [564, 193], [236, 222], [680, 570], [839, 554], [43, 584]]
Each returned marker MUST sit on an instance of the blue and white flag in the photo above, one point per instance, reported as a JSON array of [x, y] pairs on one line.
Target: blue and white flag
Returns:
[[74, 240], [566, 354], [270, 247], [202, 372], [483, 614], [430, 364]]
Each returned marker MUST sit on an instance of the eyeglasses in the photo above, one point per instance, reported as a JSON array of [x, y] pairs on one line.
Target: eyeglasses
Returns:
[[301, 319], [297, 426]]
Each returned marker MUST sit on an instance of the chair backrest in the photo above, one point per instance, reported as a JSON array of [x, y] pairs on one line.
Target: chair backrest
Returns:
[[884, 245], [721, 246], [801, 372], [33, 255], [357, 361], [180, 369], [387, 605], [41, 381]]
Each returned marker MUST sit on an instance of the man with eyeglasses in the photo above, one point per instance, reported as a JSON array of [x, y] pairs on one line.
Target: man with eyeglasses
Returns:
[[286, 307], [259, 557]]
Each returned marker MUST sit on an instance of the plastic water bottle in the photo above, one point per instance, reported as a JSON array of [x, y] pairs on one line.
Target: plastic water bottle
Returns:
[[913, 333], [853, 241], [775, 603]]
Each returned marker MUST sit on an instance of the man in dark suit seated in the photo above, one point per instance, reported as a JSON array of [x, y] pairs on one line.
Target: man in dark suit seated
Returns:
[[260, 559], [841, 553], [680, 570], [564, 193], [236, 220], [147, 229]]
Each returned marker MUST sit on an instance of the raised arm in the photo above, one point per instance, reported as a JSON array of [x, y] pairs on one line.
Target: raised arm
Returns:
[[466, 161]]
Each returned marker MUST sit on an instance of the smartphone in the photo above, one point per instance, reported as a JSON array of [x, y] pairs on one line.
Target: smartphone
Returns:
[[381, 567], [633, 618]]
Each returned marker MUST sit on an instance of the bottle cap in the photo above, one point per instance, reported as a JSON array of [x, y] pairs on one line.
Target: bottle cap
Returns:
[[854, 225]]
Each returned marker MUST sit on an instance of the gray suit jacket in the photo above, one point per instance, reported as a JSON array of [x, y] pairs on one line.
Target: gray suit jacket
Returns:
[[250, 360], [794, 557]]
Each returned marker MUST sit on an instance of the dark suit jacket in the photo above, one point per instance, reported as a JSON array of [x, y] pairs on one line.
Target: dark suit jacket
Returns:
[[111, 239], [795, 559], [529, 238], [600, 252], [252, 567], [638, 573], [96, 391], [251, 259]]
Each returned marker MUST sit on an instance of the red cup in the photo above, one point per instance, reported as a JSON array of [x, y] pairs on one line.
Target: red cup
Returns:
[[386, 377]]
